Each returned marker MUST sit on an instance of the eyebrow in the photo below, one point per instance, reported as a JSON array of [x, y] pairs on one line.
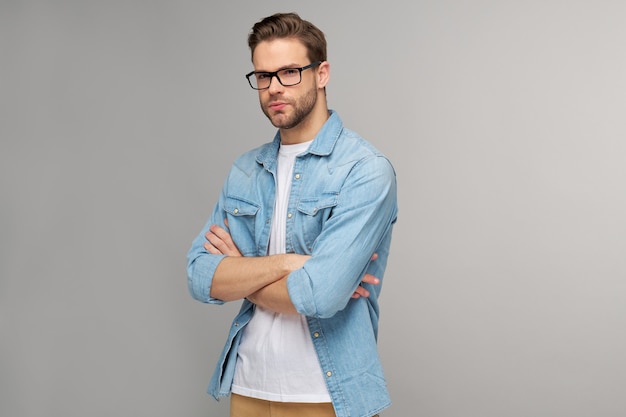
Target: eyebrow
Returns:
[[282, 68]]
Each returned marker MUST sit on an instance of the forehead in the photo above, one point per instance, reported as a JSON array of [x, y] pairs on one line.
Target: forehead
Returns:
[[277, 53]]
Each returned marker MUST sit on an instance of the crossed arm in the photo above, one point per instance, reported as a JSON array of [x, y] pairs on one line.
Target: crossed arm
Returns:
[[263, 279]]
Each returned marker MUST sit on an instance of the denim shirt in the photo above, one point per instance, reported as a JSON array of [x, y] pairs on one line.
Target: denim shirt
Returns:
[[341, 210]]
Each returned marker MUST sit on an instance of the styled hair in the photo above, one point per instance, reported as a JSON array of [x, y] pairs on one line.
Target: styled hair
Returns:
[[289, 25]]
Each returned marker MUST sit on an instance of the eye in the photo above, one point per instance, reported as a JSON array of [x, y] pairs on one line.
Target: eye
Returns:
[[262, 75], [289, 71]]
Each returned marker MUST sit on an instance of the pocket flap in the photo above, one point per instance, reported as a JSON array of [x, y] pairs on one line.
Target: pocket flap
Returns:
[[311, 206], [239, 207]]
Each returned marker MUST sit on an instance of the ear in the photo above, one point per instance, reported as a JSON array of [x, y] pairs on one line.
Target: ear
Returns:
[[323, 74]]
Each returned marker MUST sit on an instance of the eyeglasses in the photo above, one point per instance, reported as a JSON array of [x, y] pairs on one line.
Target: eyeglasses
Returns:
[[287, 77]]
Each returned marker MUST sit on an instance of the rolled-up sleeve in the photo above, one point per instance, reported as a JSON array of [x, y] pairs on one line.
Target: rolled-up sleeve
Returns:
[[201, 265], [359, 226]]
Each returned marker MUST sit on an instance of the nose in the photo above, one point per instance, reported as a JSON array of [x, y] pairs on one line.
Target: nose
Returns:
[[275, 86]]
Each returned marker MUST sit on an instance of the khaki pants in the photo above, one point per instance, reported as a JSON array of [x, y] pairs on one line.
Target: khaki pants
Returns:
[[241, 406]]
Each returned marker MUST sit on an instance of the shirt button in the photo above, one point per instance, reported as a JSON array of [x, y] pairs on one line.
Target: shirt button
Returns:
[[297, 176], [316, 334], [236, 211], [290, 215], [329, 373]]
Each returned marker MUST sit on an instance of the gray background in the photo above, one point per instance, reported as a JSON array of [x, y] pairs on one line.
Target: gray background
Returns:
[[506, 290]]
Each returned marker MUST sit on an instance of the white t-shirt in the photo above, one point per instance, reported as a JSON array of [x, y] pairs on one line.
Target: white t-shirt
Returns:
[[276, 360]]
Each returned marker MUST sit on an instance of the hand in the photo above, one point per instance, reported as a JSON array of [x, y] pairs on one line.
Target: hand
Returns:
[[219, 241], [368, 279]]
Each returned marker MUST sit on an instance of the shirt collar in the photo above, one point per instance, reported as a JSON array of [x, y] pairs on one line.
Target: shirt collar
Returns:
[[322, 145]]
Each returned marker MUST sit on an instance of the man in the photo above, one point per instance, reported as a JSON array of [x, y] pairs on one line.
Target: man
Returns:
[[301, 233]]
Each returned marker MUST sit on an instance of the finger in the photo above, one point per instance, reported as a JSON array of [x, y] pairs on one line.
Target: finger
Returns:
[[222, 235], [212, 249], [374, 257], [222, 241], [370, 279], [360, 292], [225, 237], [216, 242]]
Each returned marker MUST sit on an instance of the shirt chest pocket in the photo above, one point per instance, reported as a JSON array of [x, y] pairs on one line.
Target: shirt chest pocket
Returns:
[[313, 213], [243, 221]]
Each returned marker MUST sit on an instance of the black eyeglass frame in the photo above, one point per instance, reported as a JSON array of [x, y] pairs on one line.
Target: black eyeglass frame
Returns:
[[273, 74]]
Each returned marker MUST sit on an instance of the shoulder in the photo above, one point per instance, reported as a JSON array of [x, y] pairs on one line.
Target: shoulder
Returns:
[[349, 139], [352, 147]]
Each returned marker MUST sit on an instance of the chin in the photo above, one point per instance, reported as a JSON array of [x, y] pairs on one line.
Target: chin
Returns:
[[281, 121]]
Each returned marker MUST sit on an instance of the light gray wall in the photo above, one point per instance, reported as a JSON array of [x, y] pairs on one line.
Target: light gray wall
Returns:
[[506, 291]]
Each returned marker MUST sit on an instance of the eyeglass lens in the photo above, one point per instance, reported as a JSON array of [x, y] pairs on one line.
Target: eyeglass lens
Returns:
[[286, 77]]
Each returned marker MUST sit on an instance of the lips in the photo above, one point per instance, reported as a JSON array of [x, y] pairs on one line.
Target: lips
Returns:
[[277, 106]]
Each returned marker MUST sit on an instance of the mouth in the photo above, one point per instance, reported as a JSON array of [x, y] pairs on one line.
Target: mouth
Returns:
[[277, 106]]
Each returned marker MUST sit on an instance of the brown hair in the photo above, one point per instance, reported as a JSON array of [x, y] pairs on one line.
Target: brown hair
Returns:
[[289, 25]]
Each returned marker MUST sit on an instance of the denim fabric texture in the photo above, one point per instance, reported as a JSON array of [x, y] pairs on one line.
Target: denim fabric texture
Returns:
[[342, 208]]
